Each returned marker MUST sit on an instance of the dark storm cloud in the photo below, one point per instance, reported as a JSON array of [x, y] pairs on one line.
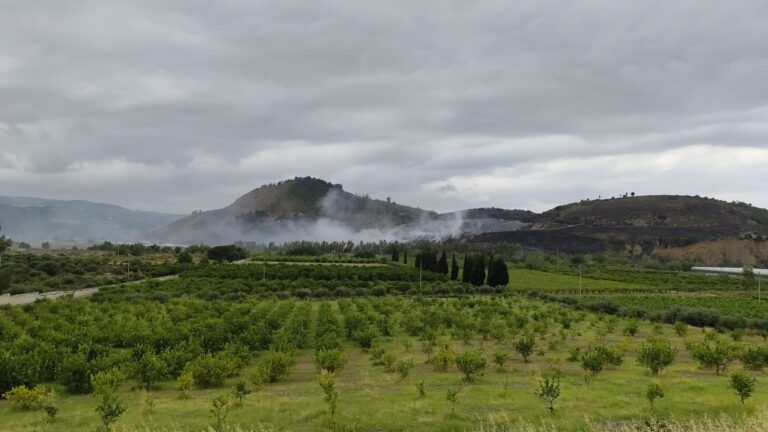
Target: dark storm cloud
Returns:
[[181, 105]]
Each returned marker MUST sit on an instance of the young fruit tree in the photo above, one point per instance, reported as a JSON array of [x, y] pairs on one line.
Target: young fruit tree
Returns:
[[656, 354], [471, 363], [743, 383], [328, 383], [654, 392], [549, 391], [524, 347]]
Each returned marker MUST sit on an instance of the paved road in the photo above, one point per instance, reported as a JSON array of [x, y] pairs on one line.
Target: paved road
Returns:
[[22, 299]]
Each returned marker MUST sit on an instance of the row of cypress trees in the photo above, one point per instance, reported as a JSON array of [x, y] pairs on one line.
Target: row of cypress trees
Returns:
[[477, 270]]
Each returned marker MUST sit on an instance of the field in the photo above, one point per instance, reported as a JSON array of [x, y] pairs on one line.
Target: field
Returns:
[[172, 347]]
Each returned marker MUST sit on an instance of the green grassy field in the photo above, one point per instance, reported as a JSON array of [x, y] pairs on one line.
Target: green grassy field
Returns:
[[534, 280]]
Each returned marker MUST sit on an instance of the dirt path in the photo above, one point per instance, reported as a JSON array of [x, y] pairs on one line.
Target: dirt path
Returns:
[[26, 298]]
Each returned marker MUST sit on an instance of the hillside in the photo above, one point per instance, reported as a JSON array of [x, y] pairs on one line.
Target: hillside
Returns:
[[292, 207], [36, 220]]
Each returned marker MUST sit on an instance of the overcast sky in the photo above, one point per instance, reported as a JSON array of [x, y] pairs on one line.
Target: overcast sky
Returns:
[[182, 105]]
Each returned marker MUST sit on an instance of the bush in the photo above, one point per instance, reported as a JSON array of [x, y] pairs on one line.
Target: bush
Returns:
[[471, 363], [272, 367], [404, 367], [331, 360], [713, 355], [207, 371], [29, 399], [656, 354], [524, 346]]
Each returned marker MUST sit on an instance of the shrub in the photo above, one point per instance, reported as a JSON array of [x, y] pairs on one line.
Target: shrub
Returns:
[[420, 389], [404, 367], [207, 371], [631, 328], [753, 357], [593, 362], [272, 367], [524, 346], [500, 357], [471, 363], [716, 356], [29, 399], [388, 360], [443, 358], [656, 354], [331, 360]]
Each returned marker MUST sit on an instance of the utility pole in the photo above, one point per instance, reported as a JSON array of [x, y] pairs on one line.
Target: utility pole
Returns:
[[420, 266]]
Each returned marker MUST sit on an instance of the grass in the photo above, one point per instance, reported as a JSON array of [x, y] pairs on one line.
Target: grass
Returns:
[[370, 399], [535, 280]]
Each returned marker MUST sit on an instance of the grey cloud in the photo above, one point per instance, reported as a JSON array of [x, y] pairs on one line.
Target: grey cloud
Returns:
[[388, 98]]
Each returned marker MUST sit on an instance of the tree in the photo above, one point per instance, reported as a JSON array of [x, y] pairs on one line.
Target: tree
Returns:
[[331, 360], [454, 268], [442, 264], [452, 395], [219, 412], [478, 272], [524, 346], [469, 266], [743, 383], [405, 257], [549, 391], [471, 363], [395, 255], [148, 369], [748, 280], [716, 356], [500, 357], [184, 258], [227, 253], [272, 366], [593, 362], [110, 407], [404, 367], [654, 392], [241, 391], [327, 382], [498, 274], [656, 354]]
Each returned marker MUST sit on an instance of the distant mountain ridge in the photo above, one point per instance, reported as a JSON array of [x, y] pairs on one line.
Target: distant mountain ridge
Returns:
[[36, 220], [292, 205], [314, 209]]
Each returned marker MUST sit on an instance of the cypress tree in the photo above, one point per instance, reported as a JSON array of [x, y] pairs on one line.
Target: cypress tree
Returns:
[[466, 273], [405, 257], [478, 273], [395, 255], [442, 264], [417, 261], [454, 268]]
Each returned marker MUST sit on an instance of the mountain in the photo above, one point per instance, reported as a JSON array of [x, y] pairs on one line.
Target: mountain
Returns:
[[35, 220], [291, 209], [638, 224]]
